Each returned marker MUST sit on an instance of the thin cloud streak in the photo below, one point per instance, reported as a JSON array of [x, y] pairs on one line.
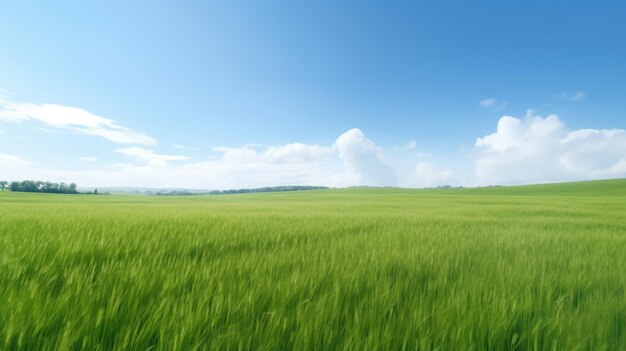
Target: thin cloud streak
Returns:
[[75, 119]]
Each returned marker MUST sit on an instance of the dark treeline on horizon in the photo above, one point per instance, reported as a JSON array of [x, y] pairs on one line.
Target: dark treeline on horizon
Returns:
[[268, 189], [32, 186], [242, 191]]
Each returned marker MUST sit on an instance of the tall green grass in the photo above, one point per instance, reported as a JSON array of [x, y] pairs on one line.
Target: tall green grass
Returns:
[[499, 269]]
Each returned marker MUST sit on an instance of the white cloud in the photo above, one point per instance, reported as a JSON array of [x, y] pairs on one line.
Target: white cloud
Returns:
[[149, 157], [532, 149], [297, 152], [257, 165], [11, 165], [289, 153], [488, 102], [184, 147], [493, 102], [351, 160], [411, 145], [10, 161], [246, 166], [78, 120], [87, 159], [429, 175], [573, 97], [47, 130], [363, 159], [537, 149]]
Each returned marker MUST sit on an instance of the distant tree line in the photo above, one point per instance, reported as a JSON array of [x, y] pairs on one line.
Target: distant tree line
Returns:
[[32, 186], [446, 187], [267, 189], [173, 192], [239, 191]]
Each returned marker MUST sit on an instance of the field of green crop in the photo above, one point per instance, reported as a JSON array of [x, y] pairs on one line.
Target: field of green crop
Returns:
[[522, 268]]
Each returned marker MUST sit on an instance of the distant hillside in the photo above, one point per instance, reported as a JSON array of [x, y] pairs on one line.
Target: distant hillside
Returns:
[[610, 187]]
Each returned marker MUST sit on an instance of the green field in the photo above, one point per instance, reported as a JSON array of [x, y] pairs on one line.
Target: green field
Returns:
[[520, 268]]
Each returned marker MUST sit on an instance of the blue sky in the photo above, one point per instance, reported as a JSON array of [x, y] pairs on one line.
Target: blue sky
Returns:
[[234, 94]]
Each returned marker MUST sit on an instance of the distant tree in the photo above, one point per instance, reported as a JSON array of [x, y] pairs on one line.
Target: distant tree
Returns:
[[47, 187], [95, 191], [29, 186], [3, 184], [42, 187]]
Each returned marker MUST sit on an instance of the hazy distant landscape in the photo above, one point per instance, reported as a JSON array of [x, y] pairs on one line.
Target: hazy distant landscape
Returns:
[[529, 267]]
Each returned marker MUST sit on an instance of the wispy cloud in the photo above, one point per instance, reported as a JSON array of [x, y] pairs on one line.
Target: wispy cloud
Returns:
[[87, 159], [493, 103], [72, 118], [411, 145], [47, 130], [488, 102], [184, 147], [10, 161], [572, 97], [408, 146], [149, 157], [293, 153]]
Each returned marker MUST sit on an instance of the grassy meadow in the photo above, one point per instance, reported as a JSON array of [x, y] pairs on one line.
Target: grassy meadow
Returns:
[[508, 268]]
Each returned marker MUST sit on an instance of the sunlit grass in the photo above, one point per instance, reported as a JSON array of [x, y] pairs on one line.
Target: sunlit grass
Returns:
[[498, 268]]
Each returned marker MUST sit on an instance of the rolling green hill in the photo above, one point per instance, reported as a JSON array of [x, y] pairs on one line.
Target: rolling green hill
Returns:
[[612, 187]]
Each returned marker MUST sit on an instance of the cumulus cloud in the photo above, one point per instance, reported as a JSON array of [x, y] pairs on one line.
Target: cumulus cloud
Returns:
[[72, 118], [593, 153], [572, 97], [538, 149], [363, 159]]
